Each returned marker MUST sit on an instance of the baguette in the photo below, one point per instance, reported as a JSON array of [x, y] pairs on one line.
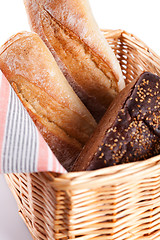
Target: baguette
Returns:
[[61, 117], [130, 129], [69, 30]]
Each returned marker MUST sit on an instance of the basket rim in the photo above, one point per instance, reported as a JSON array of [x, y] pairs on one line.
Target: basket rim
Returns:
[[125, 172], [136, 42]]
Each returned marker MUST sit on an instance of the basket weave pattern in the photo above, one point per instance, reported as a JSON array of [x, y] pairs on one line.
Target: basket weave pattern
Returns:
[[116, 203]]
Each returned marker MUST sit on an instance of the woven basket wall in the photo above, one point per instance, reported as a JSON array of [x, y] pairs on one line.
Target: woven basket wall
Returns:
[[120, 202]]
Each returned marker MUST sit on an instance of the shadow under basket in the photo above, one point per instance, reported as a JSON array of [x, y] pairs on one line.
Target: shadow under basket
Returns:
[[120, 202]]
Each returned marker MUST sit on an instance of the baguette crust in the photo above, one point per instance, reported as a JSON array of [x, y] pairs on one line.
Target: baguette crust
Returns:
[[72, 35], [59, 114]]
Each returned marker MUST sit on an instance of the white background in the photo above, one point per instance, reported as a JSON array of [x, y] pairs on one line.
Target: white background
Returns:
[[140, 17]]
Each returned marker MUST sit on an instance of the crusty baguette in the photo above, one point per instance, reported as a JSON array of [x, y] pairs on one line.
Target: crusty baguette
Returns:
[[59, 114], [130, 129], [80, 49]]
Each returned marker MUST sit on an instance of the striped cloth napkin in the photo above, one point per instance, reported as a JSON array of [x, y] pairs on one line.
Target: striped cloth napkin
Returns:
[[22, 148]]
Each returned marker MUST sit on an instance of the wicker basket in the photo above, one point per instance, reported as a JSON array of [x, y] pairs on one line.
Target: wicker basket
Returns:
[[120, 202]]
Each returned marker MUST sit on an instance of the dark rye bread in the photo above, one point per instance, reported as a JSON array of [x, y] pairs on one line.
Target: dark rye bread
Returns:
[[130, 129]]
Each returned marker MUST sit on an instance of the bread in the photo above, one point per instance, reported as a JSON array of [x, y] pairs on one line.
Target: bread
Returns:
[[61, 117], [130, 129], [69, 30]]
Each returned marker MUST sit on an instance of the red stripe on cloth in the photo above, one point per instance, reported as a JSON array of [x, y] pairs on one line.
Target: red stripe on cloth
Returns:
[[62, 170], [4, 100], [42, 155], [55, 166], [47, 161], [55, 163]]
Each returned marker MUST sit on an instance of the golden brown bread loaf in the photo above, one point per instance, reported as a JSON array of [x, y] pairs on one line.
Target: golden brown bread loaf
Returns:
[[61, 117], [69, 30]]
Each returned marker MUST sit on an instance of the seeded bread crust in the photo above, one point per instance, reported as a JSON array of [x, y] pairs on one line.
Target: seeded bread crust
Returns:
[[130, 129]]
